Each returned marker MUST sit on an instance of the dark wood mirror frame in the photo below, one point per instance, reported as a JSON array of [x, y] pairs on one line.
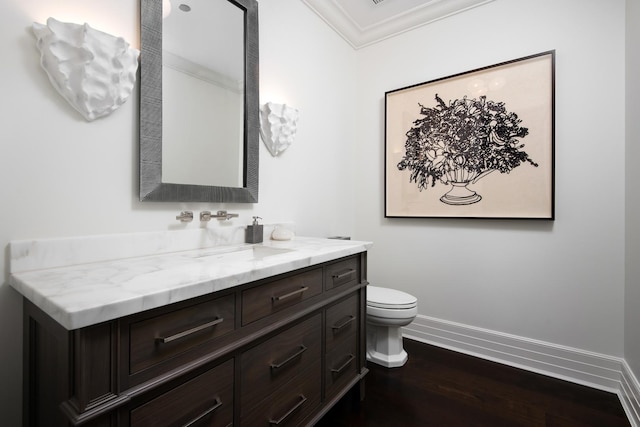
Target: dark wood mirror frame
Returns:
[[151, 186]]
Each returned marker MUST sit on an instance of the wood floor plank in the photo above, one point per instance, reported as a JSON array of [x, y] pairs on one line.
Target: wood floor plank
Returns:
[[442, 388]]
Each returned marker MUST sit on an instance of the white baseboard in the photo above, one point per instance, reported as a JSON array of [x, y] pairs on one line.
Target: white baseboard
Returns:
[[595, 370], [630, 394]]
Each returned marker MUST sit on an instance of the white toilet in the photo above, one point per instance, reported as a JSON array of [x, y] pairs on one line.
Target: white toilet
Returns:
[[387, 311]]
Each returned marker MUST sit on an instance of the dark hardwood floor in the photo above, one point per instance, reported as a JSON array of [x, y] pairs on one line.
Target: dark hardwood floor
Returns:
[[438, 387]]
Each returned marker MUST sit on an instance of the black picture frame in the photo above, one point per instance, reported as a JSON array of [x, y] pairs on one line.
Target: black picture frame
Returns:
[[478, 144]]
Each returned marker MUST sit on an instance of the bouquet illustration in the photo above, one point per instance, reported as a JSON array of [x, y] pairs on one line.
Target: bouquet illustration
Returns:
[[460, 143]]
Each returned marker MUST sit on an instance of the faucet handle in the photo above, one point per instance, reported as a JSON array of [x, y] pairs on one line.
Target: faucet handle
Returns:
[[185, 216]]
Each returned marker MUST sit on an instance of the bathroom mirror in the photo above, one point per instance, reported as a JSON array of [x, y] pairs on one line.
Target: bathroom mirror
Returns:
[[199, 107]]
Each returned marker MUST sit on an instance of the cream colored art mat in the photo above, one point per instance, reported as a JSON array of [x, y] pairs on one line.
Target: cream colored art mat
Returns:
[[526, 89]]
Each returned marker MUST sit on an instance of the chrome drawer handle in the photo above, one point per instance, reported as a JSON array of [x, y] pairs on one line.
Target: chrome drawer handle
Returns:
[[290, 358], [343, 275], [290, 294], [344, 365], [183, 334], [289, 412], [348, 320], [205, 413]]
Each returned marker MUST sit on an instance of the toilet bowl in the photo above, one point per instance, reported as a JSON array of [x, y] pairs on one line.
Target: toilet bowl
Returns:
[[387, 311]]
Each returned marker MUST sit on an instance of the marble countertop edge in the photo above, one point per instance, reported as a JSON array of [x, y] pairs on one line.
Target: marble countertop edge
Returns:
[[77, 296]]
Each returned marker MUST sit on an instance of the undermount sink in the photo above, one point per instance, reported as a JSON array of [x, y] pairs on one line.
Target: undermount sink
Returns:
[[243, 253]]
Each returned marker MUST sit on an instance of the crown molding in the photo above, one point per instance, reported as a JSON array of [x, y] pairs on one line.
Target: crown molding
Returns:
[[360, 36]]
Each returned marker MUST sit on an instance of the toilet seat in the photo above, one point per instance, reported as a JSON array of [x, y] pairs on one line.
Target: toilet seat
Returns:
[[390, 299], [391, 316]]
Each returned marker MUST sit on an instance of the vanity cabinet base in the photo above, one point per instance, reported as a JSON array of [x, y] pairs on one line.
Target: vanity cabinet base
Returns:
[[279, 351]]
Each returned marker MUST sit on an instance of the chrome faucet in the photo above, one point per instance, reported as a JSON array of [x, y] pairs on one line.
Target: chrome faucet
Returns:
[[221, 215], [185, 216]]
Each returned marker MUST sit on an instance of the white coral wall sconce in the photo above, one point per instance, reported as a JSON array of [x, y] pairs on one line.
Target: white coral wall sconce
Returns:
[[278, 126], [94, 71]]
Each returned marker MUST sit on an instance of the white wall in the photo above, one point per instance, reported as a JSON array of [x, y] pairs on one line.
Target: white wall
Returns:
[[632, 296], [306, 65], [561, 282], [62, 176]]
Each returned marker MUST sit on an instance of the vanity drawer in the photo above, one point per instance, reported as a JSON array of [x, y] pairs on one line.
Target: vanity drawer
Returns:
[[159, 338], [261, 301], [206, 400], [341, 366], [273, 363], [289, 405], [341, 273], [342, 321]]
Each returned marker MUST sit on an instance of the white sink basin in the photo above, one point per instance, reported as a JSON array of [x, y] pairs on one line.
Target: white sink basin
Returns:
[[243, 253]]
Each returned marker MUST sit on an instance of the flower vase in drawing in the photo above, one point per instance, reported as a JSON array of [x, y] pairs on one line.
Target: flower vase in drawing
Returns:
[[459, 143]]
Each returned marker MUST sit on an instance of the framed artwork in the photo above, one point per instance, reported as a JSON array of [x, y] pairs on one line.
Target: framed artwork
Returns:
[[478, 144]]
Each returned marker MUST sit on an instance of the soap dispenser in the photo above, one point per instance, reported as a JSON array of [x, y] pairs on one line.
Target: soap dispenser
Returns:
[[253, 233]]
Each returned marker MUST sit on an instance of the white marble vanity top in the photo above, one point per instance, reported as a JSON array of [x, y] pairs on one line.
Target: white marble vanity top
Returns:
[[94, 290]]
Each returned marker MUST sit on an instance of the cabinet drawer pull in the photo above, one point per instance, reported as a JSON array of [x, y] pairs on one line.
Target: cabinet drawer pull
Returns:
[[290, 294], [205, 413], [343, 275], [344, 323], [289, 412], [183, 334], [344, 365], [290, 358]]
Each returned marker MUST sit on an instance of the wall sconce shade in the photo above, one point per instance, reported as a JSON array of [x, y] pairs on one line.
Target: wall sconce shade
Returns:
[[94, 71], [278, 126], [166, 8]]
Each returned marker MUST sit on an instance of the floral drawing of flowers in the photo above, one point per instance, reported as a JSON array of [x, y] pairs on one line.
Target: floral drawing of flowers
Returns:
[[460, 143]]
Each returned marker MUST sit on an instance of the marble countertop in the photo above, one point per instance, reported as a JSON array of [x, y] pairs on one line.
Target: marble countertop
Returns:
[[88, 293]]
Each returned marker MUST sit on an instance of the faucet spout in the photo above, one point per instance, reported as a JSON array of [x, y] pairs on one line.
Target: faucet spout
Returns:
[[228, 215]]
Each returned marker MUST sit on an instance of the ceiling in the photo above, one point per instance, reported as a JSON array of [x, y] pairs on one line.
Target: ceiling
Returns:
[[364, 22]]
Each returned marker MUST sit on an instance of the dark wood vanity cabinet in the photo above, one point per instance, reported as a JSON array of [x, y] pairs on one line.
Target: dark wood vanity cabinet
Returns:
[[279, 351], [206, 400]]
